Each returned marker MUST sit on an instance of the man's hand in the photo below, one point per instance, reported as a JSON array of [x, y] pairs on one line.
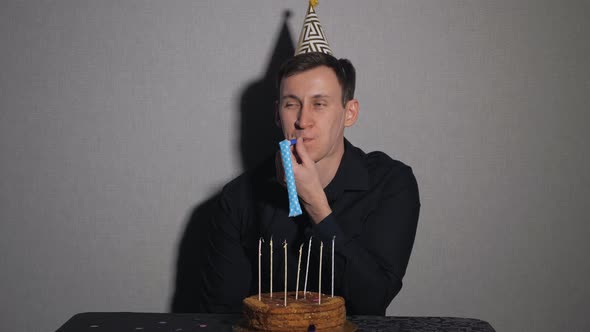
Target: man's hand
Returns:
[[309, 187]]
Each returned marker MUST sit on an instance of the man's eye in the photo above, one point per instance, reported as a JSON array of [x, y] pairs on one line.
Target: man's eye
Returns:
[[320, 105]]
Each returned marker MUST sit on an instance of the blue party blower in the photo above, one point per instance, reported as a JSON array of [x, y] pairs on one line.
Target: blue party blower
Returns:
[[294, 207]]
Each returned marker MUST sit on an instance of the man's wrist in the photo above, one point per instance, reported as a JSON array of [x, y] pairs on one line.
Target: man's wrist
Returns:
[[319, 210]]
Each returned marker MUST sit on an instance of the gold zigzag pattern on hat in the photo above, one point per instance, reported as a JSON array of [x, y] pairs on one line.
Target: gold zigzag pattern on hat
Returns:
[[312, 37]]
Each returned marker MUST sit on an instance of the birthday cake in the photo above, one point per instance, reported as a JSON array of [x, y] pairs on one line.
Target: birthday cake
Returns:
[[302, 314]]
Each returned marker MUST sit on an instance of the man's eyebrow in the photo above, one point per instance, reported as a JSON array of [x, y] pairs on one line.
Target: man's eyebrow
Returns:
[[291, 96], [318, 96]]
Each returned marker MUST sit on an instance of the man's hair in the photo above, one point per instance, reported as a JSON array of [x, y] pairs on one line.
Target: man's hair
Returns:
[[343, 69]]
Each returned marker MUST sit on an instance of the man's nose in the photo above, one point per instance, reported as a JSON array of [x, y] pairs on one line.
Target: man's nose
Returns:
[[305, 119]]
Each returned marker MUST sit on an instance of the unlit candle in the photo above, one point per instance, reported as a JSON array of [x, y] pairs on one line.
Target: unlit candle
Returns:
[[259, 269], [333, 241], [320, 275], [271, 266], [307, 269], [285, 247], [298, 270]]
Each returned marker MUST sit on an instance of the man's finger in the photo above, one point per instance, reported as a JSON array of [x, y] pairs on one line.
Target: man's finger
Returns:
[[295, 158], [302, 152]]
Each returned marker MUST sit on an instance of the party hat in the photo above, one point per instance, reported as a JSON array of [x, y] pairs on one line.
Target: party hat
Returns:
[[312, 37]]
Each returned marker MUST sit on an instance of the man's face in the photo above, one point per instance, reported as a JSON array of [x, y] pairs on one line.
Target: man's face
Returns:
[[310, 107]]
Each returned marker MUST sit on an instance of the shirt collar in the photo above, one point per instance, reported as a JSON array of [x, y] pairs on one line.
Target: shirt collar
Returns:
[[352, 173]]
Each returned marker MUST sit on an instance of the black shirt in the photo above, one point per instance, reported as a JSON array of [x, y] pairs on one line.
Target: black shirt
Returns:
[[375, 207]]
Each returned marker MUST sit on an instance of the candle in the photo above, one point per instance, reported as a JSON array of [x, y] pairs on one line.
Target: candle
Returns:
[[259, 269], [306, 269], [271, 266], [320, 278], [285, 247], [298, 269], [333, 241]]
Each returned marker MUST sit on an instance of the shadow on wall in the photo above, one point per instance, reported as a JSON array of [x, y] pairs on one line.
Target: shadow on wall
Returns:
[[259, 137]]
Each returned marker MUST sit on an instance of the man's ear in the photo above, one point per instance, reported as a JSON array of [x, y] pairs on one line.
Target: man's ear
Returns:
[[351, 112]]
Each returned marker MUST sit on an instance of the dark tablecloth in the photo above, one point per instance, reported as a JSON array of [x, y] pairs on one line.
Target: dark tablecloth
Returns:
[[144, 322]]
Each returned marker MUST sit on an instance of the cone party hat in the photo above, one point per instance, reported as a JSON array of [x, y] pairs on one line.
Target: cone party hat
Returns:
[[312, 37]]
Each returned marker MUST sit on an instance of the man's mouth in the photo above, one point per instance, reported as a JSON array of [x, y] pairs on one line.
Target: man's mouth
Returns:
[[305, 139]]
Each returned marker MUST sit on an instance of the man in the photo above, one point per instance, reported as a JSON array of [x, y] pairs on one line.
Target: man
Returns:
[[366, 204], [369, 202]]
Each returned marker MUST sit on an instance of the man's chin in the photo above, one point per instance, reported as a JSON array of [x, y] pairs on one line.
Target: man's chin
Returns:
[[315, 157]]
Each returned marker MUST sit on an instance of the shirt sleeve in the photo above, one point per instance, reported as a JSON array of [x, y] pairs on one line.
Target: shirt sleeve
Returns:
[[226, 272], [370, 266]]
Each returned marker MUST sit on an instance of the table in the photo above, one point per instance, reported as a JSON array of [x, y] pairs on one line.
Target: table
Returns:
[[145, 322]]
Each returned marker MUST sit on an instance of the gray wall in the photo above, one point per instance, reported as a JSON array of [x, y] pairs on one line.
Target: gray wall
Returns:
[[117, 118]]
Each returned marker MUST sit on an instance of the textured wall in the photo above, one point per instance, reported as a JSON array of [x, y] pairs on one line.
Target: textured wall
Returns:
[[118, 117]]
